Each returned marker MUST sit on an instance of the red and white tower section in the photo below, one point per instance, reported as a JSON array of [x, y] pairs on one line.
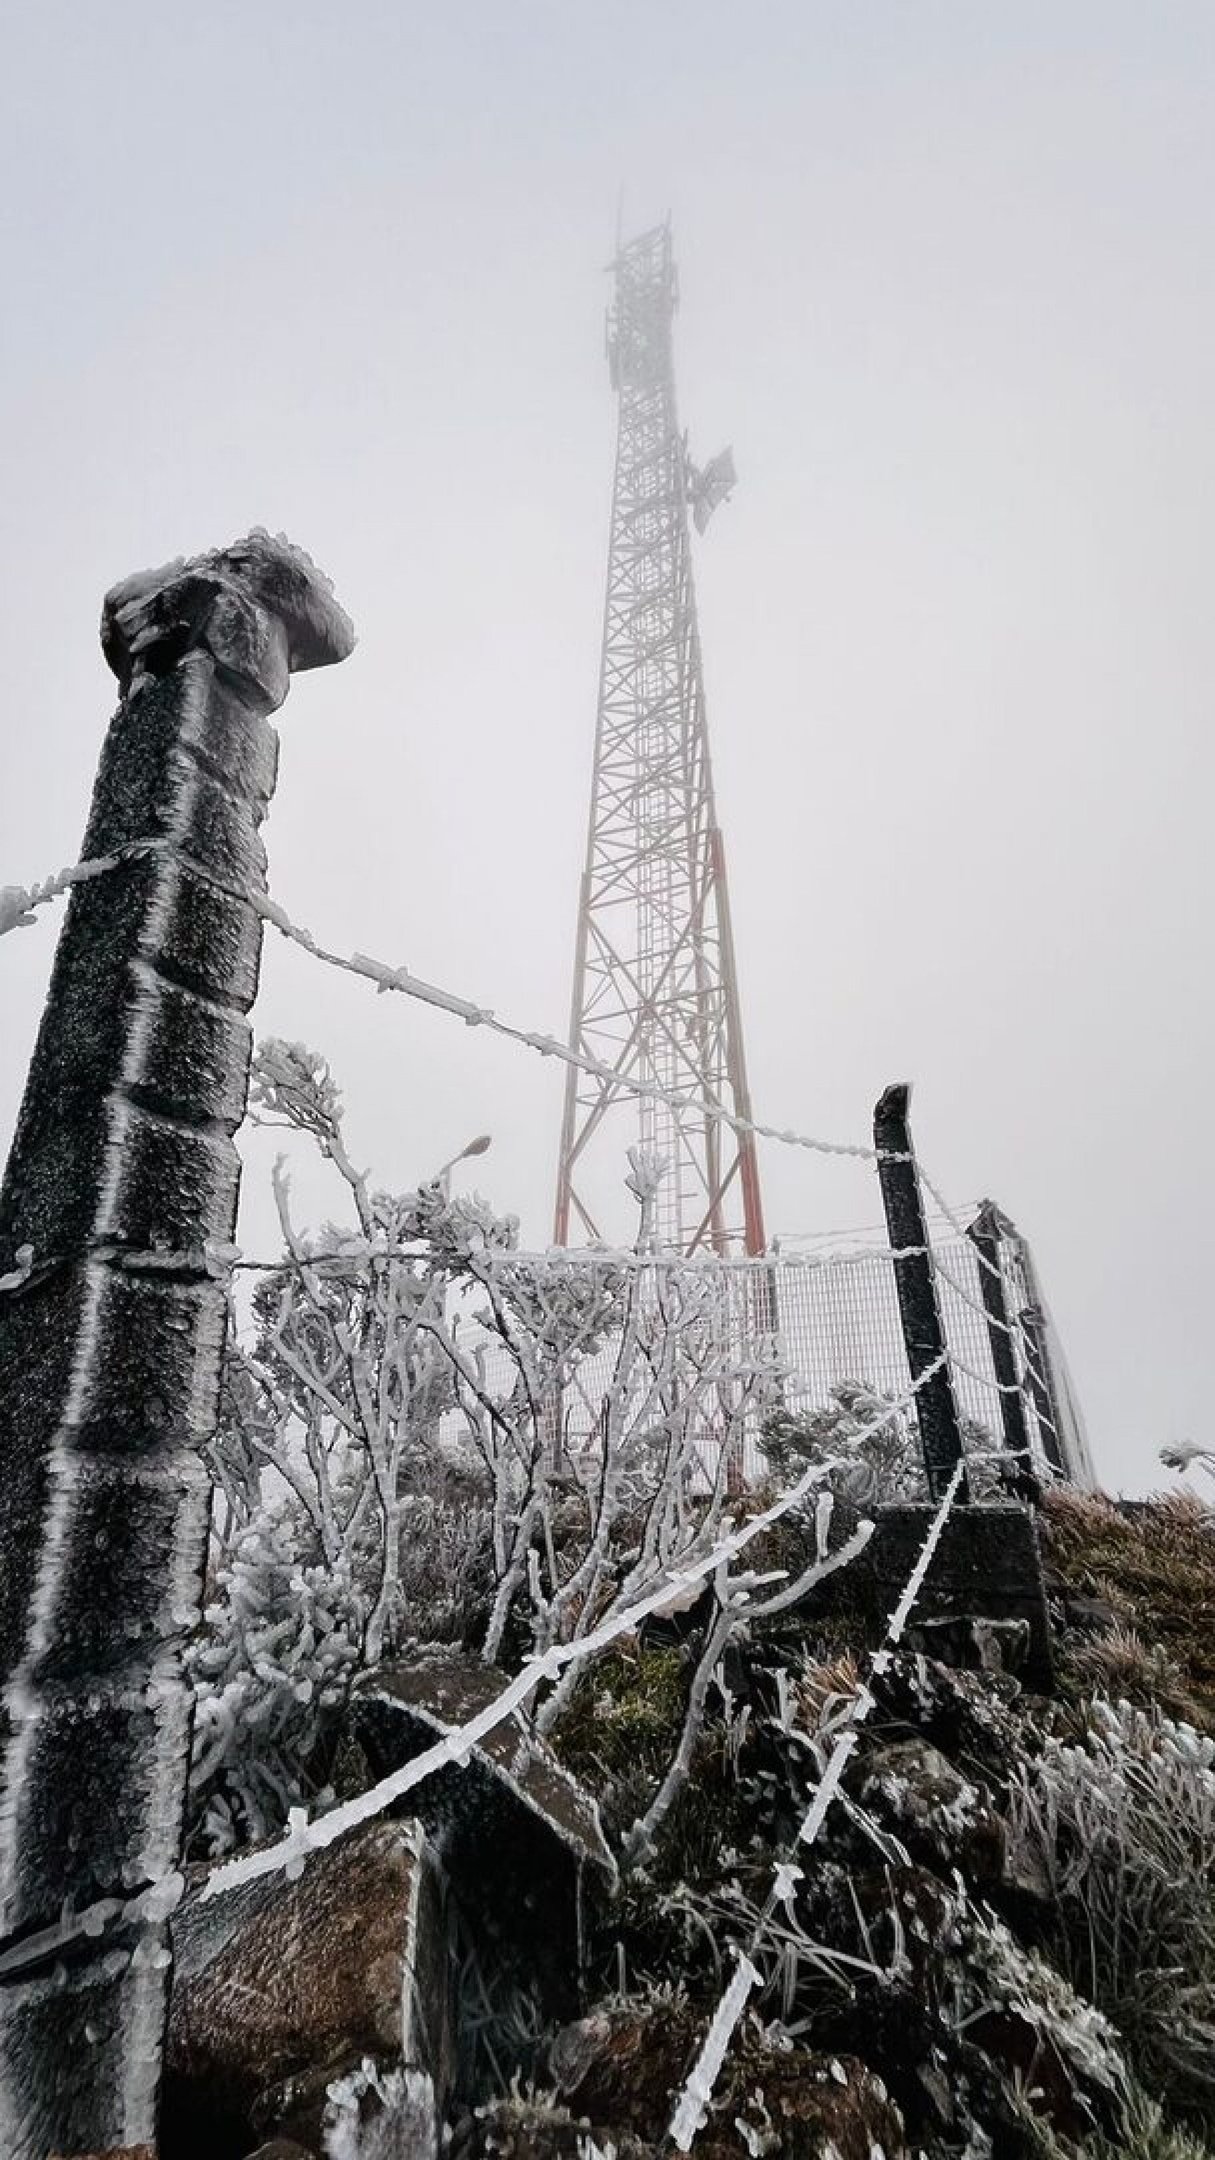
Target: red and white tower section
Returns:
[[655, 996]]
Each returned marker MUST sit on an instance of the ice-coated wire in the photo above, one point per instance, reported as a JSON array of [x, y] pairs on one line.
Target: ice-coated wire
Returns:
[[353, 1260], [1007, 1327], [386, 977], [692, 2105], [18, 902]]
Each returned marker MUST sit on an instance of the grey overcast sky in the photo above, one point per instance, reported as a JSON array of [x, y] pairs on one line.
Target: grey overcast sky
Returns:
[[948, 281]]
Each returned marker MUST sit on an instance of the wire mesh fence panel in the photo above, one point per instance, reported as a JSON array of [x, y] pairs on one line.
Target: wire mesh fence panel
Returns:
[[723, 1344]]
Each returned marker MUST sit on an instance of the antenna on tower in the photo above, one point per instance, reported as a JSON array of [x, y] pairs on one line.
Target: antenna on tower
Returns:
[[655, 993]]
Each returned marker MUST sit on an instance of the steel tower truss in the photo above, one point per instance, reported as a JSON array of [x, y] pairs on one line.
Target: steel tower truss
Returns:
[[655, 991]]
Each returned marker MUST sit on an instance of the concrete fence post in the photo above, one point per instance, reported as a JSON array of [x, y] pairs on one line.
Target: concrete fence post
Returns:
[[923, 1334], [123, 1177]]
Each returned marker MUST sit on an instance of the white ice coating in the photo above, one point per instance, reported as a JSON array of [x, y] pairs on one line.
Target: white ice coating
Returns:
[[457, 1745], [299, 623], [403, 2117], [63, 1467], [17, 902], [693, 2104]]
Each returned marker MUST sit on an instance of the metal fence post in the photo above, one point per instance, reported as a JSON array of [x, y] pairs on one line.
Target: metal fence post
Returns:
[[923, 1334], [985, 1234], [122, 1179], [1038, 1368]]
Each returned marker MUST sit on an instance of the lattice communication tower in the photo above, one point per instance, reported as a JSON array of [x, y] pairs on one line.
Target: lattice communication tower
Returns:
[[655, 989]]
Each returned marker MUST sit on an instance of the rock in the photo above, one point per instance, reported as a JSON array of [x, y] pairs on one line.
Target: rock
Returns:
[[973, 1644], [964, 1714], [937, 1813], [517, 1833], [958, 1987], [806, 2107], [529, 2130], [112, 2152], [281, 1987], [624, 2067]]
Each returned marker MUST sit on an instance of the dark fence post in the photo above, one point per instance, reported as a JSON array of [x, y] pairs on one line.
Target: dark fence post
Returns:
[[1038, 1367], [122, 1175], [985, 1234], [936, 1410]]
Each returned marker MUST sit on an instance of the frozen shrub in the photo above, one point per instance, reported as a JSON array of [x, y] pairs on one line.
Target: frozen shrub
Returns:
[[1121, 1825], [278, 1650], [884, 1464], [882, 1457], [1142, 2134], [426, 1436]]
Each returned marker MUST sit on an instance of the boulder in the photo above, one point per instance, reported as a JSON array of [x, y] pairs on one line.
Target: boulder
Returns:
[[531, 2130], [960, 1991], [969, 1716], [281, 1987], [112, 2152], [622, 2068], [517, 1834], [939, 1815], [972, 1644]]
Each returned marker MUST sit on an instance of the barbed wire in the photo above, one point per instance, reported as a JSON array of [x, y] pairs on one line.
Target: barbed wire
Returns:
[[386, 977], [692, 2105], [290, 1854], [1012, 1328], [860, 1230], [222, 1262], [17, 904]]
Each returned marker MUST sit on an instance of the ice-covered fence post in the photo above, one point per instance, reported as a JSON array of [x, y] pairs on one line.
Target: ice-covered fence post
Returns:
[[985, 1234], [123, 1178], [1038, 1367], [923, 1334], [1038, 1361]]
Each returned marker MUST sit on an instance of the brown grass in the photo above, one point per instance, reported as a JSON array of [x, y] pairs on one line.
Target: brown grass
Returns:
[[1154, 1563]]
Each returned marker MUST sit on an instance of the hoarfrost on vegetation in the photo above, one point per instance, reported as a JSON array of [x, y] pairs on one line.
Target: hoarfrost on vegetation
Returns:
[[882, 1460], [1122, 1823], [408, 1452], [377, 2114]]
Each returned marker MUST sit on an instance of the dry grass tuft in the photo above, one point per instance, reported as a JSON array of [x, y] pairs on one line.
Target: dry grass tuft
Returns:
[[1154, 1562]]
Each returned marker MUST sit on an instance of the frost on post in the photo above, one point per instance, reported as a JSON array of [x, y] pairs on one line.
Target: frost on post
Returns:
[[122, 1175]]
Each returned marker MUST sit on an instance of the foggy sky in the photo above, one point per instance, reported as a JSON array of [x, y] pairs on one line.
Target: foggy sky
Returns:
[[947, 282]]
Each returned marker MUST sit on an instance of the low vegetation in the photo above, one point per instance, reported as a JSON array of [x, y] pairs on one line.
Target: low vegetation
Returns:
[[1001, 1945]]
